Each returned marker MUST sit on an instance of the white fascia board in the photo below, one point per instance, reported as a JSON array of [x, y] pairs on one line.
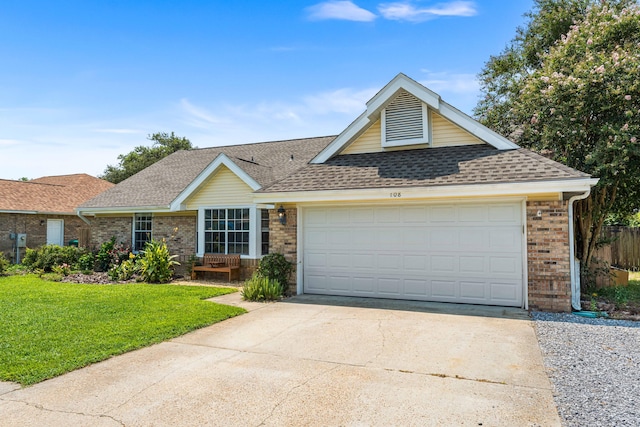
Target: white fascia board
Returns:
[[445, 191], [36, 212], [122, 210], [476, 128], [220, 160], [352, 131]]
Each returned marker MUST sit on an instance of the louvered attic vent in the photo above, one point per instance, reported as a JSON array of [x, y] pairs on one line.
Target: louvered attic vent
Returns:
[[404, 121]]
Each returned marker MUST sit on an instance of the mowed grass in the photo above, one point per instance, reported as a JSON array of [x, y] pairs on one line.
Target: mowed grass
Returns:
[[49, 328]]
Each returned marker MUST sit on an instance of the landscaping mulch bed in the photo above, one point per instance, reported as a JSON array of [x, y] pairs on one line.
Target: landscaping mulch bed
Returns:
[[99, 278]]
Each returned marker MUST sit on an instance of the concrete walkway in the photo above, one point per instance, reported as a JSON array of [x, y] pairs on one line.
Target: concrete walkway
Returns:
[[316, 361]]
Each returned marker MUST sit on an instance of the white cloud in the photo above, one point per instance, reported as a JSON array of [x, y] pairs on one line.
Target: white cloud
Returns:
[[406, 11], [7, 142], [338, 9], [199, 117]]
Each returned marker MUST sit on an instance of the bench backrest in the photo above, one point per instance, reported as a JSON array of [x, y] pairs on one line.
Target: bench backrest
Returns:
[[230, 260]]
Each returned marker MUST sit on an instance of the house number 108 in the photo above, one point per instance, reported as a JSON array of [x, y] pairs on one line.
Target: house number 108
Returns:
[[395, 194]]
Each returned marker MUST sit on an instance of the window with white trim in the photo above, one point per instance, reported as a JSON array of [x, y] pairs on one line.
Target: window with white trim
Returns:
[[142, 229], [226, 231]]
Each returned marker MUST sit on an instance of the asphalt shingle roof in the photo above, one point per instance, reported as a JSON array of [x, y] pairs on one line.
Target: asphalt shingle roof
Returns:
[[161, 183], [59, 194], [459, 165]]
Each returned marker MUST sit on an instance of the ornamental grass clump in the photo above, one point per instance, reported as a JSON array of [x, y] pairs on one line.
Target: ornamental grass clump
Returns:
[[260, 288]]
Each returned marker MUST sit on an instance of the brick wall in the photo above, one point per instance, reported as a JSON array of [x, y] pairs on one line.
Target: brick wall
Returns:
[[548, 254], [36, 233], [284, 239]]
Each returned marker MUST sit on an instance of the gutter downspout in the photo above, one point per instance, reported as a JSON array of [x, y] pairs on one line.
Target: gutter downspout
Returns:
[[83, 218], [575, 274]]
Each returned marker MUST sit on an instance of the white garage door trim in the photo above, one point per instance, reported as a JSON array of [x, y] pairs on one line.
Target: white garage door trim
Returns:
[[468, 288]]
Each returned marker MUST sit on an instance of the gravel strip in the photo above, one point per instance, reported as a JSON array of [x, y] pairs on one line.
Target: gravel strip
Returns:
[[594, 365]]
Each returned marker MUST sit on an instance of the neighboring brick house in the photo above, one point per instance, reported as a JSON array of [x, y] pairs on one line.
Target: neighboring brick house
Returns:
[[414, 200], [42, 210]]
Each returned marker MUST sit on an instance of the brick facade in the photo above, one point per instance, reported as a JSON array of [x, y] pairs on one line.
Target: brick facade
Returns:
[[548, 256], [284, 239], [35, 227]]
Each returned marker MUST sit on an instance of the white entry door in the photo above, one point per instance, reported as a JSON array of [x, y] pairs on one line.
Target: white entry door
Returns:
[[457, 252], [55, 232]]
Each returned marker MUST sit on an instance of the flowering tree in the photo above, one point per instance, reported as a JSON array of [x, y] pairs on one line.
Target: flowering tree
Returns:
[[581, 107]]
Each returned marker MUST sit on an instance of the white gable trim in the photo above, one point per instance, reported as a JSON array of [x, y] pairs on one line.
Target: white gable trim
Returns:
[[427, 96], [221, 160]]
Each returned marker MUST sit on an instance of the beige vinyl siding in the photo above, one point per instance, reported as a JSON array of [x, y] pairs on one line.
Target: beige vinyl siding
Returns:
[[446, 134], [369, 142], [443, 132], [223, 189]]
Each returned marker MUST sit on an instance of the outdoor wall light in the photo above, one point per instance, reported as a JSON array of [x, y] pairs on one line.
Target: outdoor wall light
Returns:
[[282, 215], [41, 222]]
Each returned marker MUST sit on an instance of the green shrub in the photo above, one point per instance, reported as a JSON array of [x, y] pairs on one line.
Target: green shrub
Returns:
[[48, 256], [4, 263], [276, 267], [125, 270], [62, 269], [86, 262], [260, 288], [111, 254], [155, 263]]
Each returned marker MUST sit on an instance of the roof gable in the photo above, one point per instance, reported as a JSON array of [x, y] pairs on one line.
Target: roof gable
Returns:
[[400, 85], [219, 163]]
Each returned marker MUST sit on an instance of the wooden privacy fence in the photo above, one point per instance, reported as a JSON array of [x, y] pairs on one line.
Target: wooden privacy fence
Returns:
[[624, 251]]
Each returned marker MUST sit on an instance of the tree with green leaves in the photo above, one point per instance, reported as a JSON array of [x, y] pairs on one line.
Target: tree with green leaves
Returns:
[[575, 99], [142, 156]]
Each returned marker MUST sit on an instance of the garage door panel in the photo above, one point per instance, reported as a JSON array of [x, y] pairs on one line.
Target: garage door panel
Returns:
[[473, 264], [390, 262], [364, 285], [443, 289], [415, 215], [440, 214], [339, 260], [417, 288], [443, 263], [443, 238], [415, 263], [390, 286], [473, 290], [449, 253], [339, 283], [505, 214], [361, 260], [505, 292], [504, 265]]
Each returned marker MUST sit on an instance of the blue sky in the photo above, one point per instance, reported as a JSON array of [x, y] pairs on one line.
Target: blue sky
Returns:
[[83, 81]]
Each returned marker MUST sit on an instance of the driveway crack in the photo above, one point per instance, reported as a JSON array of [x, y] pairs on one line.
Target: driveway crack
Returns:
[[294, 388], [59, 411]]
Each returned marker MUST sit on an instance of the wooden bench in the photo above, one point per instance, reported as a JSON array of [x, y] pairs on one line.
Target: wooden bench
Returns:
[[218, 263]]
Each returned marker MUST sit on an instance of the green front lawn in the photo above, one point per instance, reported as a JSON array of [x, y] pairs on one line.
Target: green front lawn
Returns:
[[49, 328]]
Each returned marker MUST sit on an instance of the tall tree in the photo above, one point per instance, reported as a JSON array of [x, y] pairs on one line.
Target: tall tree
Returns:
[[142, 156], [577, 100]]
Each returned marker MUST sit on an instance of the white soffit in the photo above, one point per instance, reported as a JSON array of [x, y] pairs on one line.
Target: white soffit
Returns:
[[376, 104]]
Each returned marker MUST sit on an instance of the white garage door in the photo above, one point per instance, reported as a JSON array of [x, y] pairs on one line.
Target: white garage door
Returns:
[[465, 253]]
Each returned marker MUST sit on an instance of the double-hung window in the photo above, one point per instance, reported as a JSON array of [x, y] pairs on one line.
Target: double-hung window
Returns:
[[142, 228], [226, 231]]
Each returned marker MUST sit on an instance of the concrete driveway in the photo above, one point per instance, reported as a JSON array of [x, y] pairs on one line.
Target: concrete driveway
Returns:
[[312, 361]]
